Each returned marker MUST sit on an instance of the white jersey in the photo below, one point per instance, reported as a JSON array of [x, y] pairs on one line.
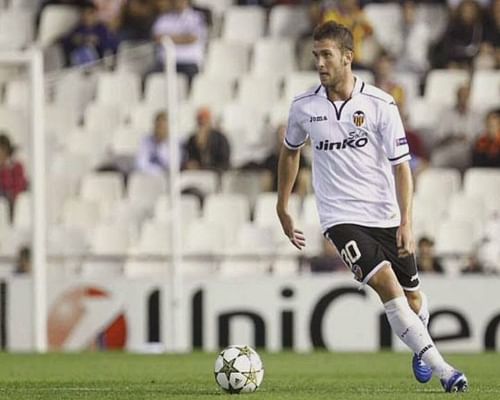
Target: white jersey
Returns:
[[354, 144]]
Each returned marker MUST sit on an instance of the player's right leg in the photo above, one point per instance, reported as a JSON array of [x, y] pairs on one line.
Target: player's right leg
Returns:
[[410, 329]]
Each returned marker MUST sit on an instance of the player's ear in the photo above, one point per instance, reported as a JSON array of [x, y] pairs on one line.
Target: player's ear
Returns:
[[348, 57]]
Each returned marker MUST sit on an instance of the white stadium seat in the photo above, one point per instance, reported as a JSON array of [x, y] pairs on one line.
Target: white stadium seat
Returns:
[[234, 55], [258, 92], [423, 115], [386, 19], [204, 239], [485, 90], [288, 21], [247, 183], [14, 121], [121, 89], [455, 238], [103, 118], [206, 181], [234, 268], [273, 57], [438, 182], [211, 91], [309, 213], [190, 209], [80, 213], [105, 188], [244, 23], [442, 85], [16, 28], [155, 91], [55, 21], [484, 182], [125, 141], [22, 211], [227, 210], [4, 213], [17, 94], [143, 190], [463, 207], [110, 239]]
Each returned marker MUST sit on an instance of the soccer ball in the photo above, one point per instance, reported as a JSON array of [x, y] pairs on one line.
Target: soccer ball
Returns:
[[238, 369]]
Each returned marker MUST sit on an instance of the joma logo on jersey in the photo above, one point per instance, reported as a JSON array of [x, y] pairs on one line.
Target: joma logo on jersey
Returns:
[[318, 118], [354, 141]]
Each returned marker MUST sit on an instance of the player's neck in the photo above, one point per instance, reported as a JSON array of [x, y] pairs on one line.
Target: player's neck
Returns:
[[343, 89]]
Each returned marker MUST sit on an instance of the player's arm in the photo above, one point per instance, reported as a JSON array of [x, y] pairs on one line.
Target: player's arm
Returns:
[[288, 167], [404, 191]]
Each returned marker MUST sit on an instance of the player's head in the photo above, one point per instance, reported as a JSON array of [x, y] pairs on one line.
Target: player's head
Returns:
[[333, 52]]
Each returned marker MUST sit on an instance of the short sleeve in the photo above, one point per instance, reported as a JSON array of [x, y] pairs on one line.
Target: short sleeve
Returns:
[[295, 136], [393, 135]]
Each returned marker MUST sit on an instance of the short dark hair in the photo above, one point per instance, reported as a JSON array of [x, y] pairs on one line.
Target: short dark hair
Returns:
[[335, 31]]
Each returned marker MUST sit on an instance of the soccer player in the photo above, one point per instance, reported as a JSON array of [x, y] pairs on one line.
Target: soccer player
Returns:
[[363, 189]]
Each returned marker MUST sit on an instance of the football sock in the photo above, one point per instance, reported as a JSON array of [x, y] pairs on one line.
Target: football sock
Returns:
[[423, 313], [409, 328]]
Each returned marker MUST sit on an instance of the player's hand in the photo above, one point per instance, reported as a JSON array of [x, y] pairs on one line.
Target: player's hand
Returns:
[[405, 241], [296, 236]]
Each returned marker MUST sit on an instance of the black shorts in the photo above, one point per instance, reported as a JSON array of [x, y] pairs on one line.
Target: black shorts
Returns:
[[365, 249]]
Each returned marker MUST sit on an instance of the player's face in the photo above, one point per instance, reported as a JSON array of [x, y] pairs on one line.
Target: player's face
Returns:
[[331, 62]]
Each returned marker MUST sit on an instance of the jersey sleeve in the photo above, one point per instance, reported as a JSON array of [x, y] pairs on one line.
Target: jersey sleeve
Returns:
[[295, 136], [393, 135]]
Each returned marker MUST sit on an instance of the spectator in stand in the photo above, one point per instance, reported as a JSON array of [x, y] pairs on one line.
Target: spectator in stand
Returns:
[[90, 40], [426, 259], [187, 29], [350, 14], [328, 261], [153, 155], [489, 52], [456, 133], [12, 178], [108, 12], [414, 41], [419, 155], [383, 71], [462, 38], [473, 266], [207, 147], [136, 20], [486, 152]]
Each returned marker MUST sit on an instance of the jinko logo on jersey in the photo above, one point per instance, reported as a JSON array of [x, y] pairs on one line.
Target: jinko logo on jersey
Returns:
[[355, 140]]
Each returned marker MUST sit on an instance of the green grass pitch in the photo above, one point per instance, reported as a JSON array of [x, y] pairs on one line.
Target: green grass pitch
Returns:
[[319, 375]]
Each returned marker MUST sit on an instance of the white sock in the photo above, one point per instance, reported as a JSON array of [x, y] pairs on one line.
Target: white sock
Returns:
[[423, 313], [407, 325]]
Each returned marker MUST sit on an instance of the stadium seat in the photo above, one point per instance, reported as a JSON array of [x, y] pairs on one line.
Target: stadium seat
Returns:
[[244, 128], [204, 239], [485, 90], [206, 181], [228, 211], [143, 190], [73, 90], [464, 207], [278, 113], [455, 238], [141, 117], [423, 115], [288, 21], [428, 211], [410, 83], [120, 89], [4, 213], [253, 239], [211, 91], [125, 141], [101, 270], [309, 213], [273, 57], [484, 182], [55, 21], [109, 239], [17, 94], [66, 241], [244, 24], [442, 84], [59, 121], [134, 57], [15, 123], [235, 56], [258, 92], [285, 267], [190, 209], [145, 269], [155, 91], [296, 83], [13, 240], [386, 20], [89, 145], [435, 16], [103, 119], [154, 239], [27, 5], [247, 183], [105, 188], [16, 28], [441, 182], [22, 211], [216, 6], [80, 213]]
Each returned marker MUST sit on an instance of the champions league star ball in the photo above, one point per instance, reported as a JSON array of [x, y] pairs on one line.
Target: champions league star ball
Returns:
[[238, 369]]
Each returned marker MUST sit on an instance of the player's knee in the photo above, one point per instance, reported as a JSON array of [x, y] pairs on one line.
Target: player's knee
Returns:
[[414, 300], [385, 283]]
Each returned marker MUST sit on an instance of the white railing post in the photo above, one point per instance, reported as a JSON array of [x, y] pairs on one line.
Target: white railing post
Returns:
[[171, 335], [38, 204]]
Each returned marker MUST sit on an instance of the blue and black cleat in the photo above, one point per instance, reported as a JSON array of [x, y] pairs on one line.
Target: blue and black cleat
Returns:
[[422, 372]]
